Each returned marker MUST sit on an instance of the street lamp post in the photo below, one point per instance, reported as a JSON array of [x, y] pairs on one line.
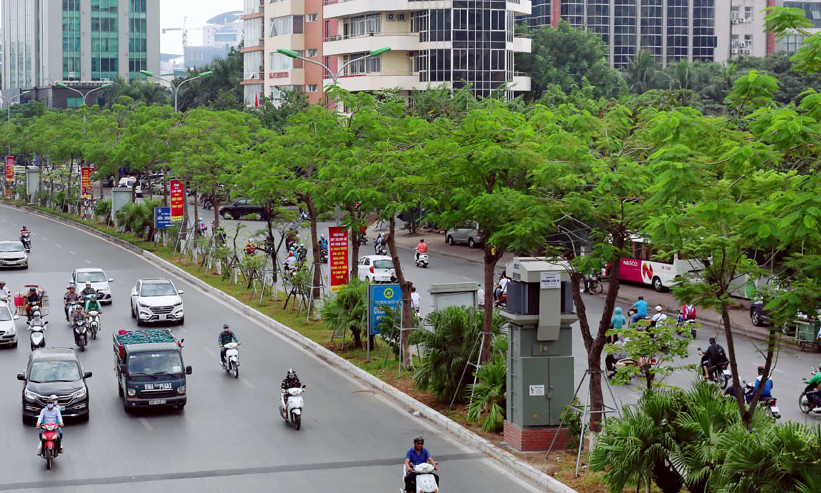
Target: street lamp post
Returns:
[[334, 76], [11, 100], [84, 95], [177, 87]]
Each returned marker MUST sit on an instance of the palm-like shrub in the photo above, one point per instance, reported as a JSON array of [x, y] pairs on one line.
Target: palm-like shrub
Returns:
[[447, 347], [137, 217], [347, 310], [488, 405]]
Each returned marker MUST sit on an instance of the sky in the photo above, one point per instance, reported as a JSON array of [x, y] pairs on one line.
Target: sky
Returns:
[[173, 12]]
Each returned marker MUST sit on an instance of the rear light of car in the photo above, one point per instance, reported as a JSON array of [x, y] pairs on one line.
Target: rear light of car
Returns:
[[371, 269]]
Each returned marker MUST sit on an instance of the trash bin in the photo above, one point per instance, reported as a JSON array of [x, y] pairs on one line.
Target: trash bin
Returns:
[[807, 333]]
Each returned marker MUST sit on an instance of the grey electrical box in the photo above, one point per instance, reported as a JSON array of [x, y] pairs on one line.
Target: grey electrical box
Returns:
[[540, 380], [453, 294]]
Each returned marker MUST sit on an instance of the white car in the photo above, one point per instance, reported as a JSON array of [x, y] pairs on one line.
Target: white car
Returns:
[[8, 330], [12, 254], [156, 299], [98, 280], [376, 268]]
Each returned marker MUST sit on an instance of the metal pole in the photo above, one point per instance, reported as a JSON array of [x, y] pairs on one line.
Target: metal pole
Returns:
[[175, 96]]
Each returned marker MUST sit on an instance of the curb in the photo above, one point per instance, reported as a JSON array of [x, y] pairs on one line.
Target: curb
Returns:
[[405, 401]]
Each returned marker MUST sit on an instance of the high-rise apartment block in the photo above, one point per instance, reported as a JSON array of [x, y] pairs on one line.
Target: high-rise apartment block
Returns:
[[432, 42], [81, 43]]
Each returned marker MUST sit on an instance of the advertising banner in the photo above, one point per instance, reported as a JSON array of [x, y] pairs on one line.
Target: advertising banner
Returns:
[[177, 200], [380, 296], [338, 256], [85, 182], [9, 174]]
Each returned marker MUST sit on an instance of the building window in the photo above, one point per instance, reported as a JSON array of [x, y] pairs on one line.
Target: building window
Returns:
[[71, 39], [283, 62], [105, 55], [793, 42], [137, 52], [289, 24], [704, 33], [74, 102], [370, 65], [362, 25], [310, 18], [812, 9], [311, 88], [312, 52]]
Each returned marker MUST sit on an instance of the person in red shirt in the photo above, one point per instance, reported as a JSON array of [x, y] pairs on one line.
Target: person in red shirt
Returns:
[[422, 247]]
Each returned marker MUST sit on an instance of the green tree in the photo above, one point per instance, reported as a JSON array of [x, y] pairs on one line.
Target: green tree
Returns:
[[654, 349], [641, 72], [219, 91]]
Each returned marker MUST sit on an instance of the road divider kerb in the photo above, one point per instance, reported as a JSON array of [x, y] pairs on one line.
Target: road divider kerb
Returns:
[[405, 401]]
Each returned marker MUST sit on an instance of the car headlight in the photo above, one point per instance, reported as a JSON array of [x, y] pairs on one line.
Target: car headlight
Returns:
[[143, 305], [178, 304], [181, 389], [30, 395], [79, 394], [132, 392]]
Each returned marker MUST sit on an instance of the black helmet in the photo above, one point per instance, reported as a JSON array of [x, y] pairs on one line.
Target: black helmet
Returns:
[[760, 369], [641, 297], [291, 374], [712, 340], [32, 289], [418, 439]]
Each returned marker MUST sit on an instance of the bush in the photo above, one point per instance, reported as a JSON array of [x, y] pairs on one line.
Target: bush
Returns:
[[489, 395], [102, 209], [137, 218], [347, 309]]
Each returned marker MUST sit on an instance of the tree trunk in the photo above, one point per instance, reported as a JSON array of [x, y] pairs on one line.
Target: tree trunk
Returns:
[[355, 241], [317, 280], [491, 259], [405, 286], [215, 202], [196, 213], [164, 189]]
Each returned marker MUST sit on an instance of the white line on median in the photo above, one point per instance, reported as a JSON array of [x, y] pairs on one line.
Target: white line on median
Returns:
[[87, 261], [209, 351], [146, 424], [72, 252], [246, 382]]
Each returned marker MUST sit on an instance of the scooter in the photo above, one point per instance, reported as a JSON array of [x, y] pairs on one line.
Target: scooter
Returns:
[[293, 416], [805, 400], [323, 255], [81, 334], [719, 374], [25, 239], [72, 307], [37, 338], [231, 364], [422, 260], [425, 480], [34, 306], [48, 448], [687, 325], [381, 249], [94, 323], [768, 403]]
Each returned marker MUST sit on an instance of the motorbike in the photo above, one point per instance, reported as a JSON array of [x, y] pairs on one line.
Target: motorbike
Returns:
[[25, 239], [231, 364], [94, 323], [768, 403], [34, 306], [72, 307], [294, 411], [593, 284], [48, 448], [422, 260], [81, 334], [720, 374], [804, 400], [633, 311], [37, 338], [380, 249], [363, 240], [425, 480], [323, 255], [687, 325]]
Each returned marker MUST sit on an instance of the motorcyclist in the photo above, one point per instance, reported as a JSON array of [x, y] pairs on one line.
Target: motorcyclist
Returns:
[[617, 322], [70, 297], [323, 242], [641, 310], [659, 316], [201, 227], [24, 232], [5, 294], [92, 305], [417, 454], [814, 386], [290, 262], [48, 415], [766, 393], [88, 290], [301, 253], [421, 248], [31, 297], [225, 337], [291, 381], [250, 248], [36, 319], [714, 356], [76, 318], [377, 243], [290, 238]]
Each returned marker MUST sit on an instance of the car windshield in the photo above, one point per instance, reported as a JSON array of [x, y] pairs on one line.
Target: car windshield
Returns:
[[382, 264], [154, 363], [5, 314], [157, 289], [54, 371], [11, 247], [93, 276]]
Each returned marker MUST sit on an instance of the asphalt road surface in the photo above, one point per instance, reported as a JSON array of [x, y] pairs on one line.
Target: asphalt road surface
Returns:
[[230, 436]]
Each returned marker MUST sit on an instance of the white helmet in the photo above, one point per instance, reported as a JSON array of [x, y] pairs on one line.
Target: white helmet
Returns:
[[659, 308], [36, 314]]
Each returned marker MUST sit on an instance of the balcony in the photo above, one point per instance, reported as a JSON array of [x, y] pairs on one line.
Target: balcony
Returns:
[[343, 8], [288, 77], [338, 45], [379, 81], [253, 9], [281, 9], [521, 82]]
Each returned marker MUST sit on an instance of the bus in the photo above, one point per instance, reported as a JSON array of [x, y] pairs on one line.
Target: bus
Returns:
[[640, 267]]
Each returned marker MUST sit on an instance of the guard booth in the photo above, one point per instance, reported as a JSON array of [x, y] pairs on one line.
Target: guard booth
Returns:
[[540, 383]]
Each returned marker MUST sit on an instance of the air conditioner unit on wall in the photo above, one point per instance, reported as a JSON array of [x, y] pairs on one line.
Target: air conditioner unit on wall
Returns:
[[390, 17], [748, 51], [735, 50], [735, 21], [401, 17]]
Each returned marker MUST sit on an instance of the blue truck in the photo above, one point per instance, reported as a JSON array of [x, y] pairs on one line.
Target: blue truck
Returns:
[[149, 367]]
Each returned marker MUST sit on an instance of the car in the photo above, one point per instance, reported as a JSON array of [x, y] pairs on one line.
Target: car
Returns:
[[12, 254], [241, 208], [54, 371], [98, 280], [128, 182], [376, 268], [156, 299], [8, 329], [758, 315], [469, 234]]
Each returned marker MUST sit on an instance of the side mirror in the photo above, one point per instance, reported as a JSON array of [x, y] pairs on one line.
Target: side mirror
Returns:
[[16, 317], [188, 370], [45, 323], [21, 376], [111, 280], [123, 369], [87, 374], [180, 291], [304, 386]]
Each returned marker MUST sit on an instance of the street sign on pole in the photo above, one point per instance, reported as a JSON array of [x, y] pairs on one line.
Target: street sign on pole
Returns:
[[338, 256], [85, 182], [162, 217], [379, 297], [177, 200]]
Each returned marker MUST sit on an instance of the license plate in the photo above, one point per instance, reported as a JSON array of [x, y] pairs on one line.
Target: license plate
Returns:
[[161, 317], [62, 408], [728, 373], [774, 409], [156, 402]]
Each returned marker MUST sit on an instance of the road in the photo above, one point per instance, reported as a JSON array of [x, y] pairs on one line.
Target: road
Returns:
[[230, 436]]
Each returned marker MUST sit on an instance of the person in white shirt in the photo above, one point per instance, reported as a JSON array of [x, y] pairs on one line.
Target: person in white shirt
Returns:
[[480, 296], [415, 298], [658, 317], [4, 291]]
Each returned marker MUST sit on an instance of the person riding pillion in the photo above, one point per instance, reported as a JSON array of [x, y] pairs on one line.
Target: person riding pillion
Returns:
[[225, 337]]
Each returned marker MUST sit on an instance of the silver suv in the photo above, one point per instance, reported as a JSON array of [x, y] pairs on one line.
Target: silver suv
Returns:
[[469, 234], [156, 299]]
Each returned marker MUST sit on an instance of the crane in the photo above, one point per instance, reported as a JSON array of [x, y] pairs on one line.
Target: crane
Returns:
[[184, 30]]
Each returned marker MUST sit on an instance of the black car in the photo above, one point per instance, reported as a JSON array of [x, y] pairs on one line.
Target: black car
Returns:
[[54, 371], [758, 315], [241, 208]]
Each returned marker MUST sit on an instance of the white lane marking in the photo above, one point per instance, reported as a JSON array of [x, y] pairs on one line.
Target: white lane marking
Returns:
[[146, 424], [87, 261], [72, 252], [209, 351], [59, 245], [246, 382], [43, 238]]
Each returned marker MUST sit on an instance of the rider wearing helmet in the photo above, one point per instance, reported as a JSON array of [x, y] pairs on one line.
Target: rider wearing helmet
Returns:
[[32, 297], [92, 305], [36, 318], [291, 381], [417, 454], [814, 384], [323, 242], [70, 297], [658, 316], [713, 357], [641, 310], [224, 338], [4, 291], [766, 393], [48, 415], [88, 290]]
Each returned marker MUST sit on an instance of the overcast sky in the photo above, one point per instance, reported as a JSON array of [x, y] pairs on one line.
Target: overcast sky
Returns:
[[173, 12]]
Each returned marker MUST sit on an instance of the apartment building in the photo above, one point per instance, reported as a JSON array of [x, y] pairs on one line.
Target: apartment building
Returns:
[[793, 42], [82, 43], [672, 30]]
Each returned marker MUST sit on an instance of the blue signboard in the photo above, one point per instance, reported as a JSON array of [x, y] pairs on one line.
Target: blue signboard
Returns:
[[162, 217], [380, 295]]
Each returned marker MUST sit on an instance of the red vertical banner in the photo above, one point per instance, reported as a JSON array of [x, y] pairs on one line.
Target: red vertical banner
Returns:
[[338, 256], [9, 174], [177, 200], [85, 182]]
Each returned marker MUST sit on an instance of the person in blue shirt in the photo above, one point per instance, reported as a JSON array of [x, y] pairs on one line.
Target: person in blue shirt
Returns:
[[224, 338], [641, 310], [617, 322], [418, 454], [767, 393], [50, 414], [323, 242]]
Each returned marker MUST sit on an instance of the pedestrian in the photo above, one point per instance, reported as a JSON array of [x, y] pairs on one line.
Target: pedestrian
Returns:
[[415, 299], [480, 296]]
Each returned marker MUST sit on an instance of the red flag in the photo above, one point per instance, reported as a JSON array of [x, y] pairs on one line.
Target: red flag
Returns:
[[256, 100]]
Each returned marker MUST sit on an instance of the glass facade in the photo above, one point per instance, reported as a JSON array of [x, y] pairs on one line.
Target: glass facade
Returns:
[[652, 27], [540, 14], [678, 23], [71, 39], [137, 52], [19, 52], [704, 30], [625, 36], [104, 43], [813, 10]]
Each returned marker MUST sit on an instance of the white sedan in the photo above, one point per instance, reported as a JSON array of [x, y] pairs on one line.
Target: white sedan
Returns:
[[8, 330], [376, 268], [12, 254]]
